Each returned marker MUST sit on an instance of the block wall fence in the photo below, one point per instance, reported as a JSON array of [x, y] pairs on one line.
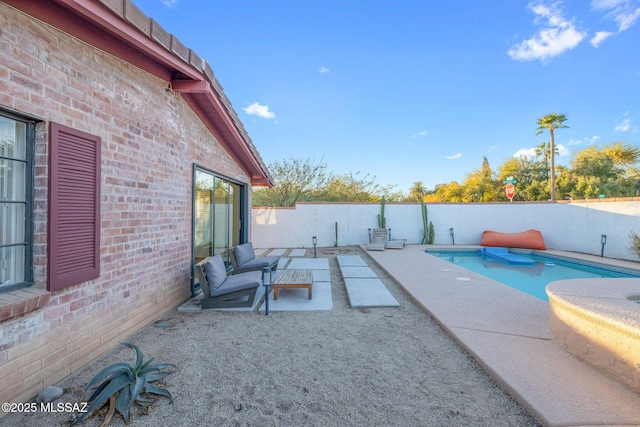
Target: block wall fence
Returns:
[[574, 226], [150, 139]]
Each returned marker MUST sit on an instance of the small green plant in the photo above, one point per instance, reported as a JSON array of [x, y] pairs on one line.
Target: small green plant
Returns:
[[123, 384], [382, 221], [634, 246], [336, 241]]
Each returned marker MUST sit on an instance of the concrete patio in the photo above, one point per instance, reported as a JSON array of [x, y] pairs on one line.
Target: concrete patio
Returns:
[[506, 331]]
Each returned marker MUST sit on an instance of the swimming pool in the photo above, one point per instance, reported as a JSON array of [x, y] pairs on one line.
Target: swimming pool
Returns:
[[532, 278]]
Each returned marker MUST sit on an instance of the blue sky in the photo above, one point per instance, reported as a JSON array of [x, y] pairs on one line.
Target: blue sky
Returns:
[[417, 90]]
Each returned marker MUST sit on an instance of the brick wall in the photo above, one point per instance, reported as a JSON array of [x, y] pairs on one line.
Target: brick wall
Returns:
[[150, 140]]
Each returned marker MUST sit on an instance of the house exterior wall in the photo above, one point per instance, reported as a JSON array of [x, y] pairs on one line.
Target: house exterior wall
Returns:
[[575, 226], [150, 141]]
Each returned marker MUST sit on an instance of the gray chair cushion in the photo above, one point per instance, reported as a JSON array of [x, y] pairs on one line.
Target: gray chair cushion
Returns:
[[216, 272], [244, 253], [239, 282], [261, 262]]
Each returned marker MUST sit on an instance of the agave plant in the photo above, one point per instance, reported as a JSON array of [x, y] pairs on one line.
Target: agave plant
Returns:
[[127, 382]]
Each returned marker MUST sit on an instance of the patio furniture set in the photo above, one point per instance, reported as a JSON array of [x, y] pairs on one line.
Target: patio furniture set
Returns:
[[223, 289]]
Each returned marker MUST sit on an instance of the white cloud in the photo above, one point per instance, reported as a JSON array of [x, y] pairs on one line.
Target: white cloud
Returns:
[[626, 20], [624, 126], [595, 139], [600, 37], [530, 153], [526, 153], [256, 109], [169, 3], [421, 134], [624, 12], [455, 156], [562, 150], [557, 35], [627, 124], [323, 70]]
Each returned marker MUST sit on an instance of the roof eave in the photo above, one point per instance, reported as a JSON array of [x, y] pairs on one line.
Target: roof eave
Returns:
[[162, 55]]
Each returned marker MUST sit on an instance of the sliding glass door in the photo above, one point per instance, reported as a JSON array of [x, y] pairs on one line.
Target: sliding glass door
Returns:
[[217, 215]]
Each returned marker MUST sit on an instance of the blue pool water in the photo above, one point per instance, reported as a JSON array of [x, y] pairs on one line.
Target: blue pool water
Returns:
[[533, 278]]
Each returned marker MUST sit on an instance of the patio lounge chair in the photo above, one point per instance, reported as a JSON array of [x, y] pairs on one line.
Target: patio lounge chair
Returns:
[[222, 291], [243, 258], [379, 241]]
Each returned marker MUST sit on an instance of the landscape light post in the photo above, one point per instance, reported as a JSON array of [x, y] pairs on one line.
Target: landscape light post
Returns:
[[315, 242], [603, 241], [369, 235], [266, 284], [453, 240]]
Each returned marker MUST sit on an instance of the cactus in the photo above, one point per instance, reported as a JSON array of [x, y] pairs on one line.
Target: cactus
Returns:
[[425, 222], [382, 221], [432, 233], [429, 231], [336, 241]]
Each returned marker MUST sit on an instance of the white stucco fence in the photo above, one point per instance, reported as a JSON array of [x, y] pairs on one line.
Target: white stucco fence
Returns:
[[575, 226]]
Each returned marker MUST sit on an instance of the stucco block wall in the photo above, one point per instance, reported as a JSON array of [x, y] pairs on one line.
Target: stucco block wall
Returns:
[[150, 140], [575, 226]]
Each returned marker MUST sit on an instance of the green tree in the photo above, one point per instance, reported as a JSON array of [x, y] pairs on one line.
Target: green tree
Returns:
[[349, 188], [294, 180], [610, 170], [544, 151], [451, 192], [551, 122], [480, 185], [531, 175], [417, 191]]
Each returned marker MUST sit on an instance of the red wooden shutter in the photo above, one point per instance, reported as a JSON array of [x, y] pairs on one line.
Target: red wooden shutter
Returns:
[[74, 207]]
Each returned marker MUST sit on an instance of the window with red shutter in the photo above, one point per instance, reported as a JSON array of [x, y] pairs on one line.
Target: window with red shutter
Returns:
[[74, 207]]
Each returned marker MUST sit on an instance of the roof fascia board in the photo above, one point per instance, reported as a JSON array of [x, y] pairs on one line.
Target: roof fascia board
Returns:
[[203, 87], [139, 38]]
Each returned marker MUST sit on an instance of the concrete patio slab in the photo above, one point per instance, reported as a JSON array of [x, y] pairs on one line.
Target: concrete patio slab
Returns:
[[309, 264], [293, 299], [351, 261], [506, 331], [297, 252], [564, 396], [321, 275], [353, 272], [279, 252], [369, 293]]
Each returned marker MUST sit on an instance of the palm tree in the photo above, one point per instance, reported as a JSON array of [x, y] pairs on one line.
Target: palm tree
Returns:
[[543, 150], [552, 122], [417, 191]]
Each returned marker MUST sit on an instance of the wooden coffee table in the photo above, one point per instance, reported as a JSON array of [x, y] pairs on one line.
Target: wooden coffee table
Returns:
[[293, 279]]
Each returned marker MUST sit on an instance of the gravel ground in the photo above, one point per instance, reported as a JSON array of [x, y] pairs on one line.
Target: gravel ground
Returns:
[[345, 367]]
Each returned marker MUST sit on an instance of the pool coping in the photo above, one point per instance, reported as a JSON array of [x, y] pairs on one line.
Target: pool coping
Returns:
[[507, 332]]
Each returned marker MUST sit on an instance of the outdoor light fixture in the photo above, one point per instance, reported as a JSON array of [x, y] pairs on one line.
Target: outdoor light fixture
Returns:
[[265, 271], [389, 234], [369, 235], [315, 242], [603, 241], [453, 240]]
